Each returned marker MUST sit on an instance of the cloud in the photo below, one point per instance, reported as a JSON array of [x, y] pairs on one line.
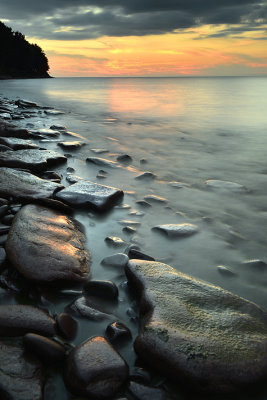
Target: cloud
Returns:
[[60, 19]]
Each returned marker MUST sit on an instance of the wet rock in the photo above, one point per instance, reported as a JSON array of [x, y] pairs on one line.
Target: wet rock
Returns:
[[95, 369], [53, 112], [35, 160], [146, 175], [255, 264], [2, 257], [47, 350], [140, 375], [70, 170], [101, 176], [196, 333], [129, 222], [177, 230], [225, 185], [44, 132], [22, 185], [52, 175], [9, 130], [99, 151], [3, 201], [115, 241], [21, 376], [137, 213], [17, 144], [46, 246], [4, 229], [124, 158], [4, 148], [129, 230], [88, 194], [117, 331], [7, 219], [25, 103], [67, 326], [102, 288], [58, 128], [72, 178], [178, 185], [123, 206], [3, 239], [143, 203], [226, 271], [134, 253], [3, 209], [82, 307], [74, 145], [102, 162], [116, 260], [17, 320], [155, 199], [142, 392]]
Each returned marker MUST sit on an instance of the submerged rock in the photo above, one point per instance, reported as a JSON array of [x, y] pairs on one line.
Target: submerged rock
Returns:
[[46, 246], [89, 194], [17, 320], [102, 162], [95, 369], [24, 186], [177, 230], [37, 160], [155, 199], [196, 333], [225, 185], [21, 376]]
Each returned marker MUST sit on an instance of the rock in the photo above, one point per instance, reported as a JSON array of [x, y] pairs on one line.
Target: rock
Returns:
[[3, 209], [46, 246], [47, 350], [143, 203], [225, 185], [17, 320], [82, 307], [5, 115], [58, 128], [178, 185], [53, 112], [7, 219], [89, 194], [226, 271], [134, 253], [17, 144], [24, 186], [115, 241], [25, 103], [196, 333], [35, 160], [129, 222], [4, 229], [67, 326], [3, 201], [9, 130], [177, 230], [51, 175], [99, 151], [142, 392], [155, 199], [74, 145], [117, 331], [146, 175], [102, 162], [116, 260], [102, 288], [137, 213], [124, 158], [3, 239], [2, 257], [72, 178], [140, 375], [255, 264], [4, 148], [95, 369], [129, 230], [21, 376]]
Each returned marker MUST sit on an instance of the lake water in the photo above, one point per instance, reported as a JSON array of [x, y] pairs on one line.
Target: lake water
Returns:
[[188, 130]]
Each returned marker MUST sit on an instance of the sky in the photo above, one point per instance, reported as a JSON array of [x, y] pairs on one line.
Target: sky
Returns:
[[145, 37]]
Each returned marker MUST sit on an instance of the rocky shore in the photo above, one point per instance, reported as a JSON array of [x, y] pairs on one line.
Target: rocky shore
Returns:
[[188, 335]]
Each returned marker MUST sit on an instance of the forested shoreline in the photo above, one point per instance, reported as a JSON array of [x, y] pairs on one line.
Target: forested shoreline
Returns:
[[19, 58]]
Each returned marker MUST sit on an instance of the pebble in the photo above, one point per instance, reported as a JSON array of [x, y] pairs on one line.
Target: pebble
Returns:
[[117, 331], [115, 241]]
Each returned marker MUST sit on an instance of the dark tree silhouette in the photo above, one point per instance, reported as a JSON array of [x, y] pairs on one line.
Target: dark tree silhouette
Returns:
[[19, 58]]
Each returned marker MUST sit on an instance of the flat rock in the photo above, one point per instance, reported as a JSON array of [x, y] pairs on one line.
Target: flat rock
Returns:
[[21, 376], [225, 185], [17, 320], [89, 194], [53, 112], [18, 144], [25, 103], [95, 369], [177, 230], [146, 175], [24, 186], [99, 151], [115, 241], [44, 132], [46, 246], [31, 159], [196, 333], [155, 199], [9, 130], [74, 145], [102, 162]]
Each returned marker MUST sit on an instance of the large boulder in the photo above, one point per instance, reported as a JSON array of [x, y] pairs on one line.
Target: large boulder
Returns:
[[24, 186], [196, 333], [89, 194], [35, 160], [21, 376], [95, 369], [46, 246]]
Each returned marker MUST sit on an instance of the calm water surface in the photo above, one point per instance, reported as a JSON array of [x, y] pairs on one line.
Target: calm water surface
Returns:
[[188, 130]]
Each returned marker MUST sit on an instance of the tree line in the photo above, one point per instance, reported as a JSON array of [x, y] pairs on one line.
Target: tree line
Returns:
[[19, 58]]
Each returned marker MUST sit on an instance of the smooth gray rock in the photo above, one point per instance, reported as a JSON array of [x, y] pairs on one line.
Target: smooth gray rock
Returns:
[[177, 230], [82, 307], [225, 185], [89, 194], [21, 376], [24, 186], [155, 199], [46, 246], [226, 271], [18, 144], [95, 369], [74, 145], [115, 241], [196, 333], [116, 260], [36, 160], [17, 320], [124, 158], [136, 254], [102, 162]]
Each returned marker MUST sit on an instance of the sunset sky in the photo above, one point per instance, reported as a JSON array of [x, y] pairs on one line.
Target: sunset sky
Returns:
[[145, 37]]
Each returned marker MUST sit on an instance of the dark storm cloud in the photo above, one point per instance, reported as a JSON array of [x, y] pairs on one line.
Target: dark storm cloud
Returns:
[[66, 19]]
